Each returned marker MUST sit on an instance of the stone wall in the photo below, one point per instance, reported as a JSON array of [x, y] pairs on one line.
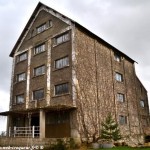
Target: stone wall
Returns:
[[34, 142], [97, 87]]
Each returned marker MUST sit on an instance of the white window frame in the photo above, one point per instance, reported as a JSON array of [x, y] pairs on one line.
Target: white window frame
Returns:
[[62, 62], [39, 70], [119, 77], [39, 49], [21, 77]]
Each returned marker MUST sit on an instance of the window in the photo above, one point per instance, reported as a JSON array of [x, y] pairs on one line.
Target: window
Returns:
[[49, 23], [39, 49], [38, 94], [41, 28], [120, 97], [119, 77], [63, 62], [39, 70], [62, 38], [122, 120], [22, 57], [142, 104], [117, 58], [20, 99], [21, 77], [61, 89]]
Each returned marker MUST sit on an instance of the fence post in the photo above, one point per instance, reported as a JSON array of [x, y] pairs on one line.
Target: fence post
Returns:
[[14, 131], [9, 132], [33, 131]]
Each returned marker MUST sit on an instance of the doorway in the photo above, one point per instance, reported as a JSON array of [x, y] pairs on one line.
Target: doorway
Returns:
[[35, 120]]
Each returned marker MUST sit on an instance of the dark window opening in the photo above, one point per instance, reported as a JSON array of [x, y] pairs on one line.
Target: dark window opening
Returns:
[[38, 94], [61, 89], [122, 120]]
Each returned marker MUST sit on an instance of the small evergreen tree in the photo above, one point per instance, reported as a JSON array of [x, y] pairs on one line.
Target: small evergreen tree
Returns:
[[110, 129]]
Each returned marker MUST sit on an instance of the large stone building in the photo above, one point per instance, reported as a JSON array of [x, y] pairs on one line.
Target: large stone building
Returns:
[[65, 80]]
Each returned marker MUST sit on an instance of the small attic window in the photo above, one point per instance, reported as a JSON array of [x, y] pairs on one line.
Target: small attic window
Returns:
[[117, 57], [41, 28], [142, 104]]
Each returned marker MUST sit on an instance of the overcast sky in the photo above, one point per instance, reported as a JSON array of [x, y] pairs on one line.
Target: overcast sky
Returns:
[[125, 24]]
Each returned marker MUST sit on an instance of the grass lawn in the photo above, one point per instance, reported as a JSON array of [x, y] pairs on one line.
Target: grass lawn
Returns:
[[125, 148]]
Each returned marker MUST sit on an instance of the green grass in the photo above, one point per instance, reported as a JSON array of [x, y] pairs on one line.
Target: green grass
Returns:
[[125, 148]]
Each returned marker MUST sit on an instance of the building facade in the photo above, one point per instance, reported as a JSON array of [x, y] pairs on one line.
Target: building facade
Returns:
[[65, 80]]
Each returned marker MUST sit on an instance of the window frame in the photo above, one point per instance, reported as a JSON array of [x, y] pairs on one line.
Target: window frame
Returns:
[[118, 77], [42, 72], [19, 59], [24, 78], [142, 103], [41, 98], [122, 120], [117, 57], [61, 92], [41, 28], [16, 99], [50, 23], [62, 62], [64, 37], [39, 48], [120, 97]]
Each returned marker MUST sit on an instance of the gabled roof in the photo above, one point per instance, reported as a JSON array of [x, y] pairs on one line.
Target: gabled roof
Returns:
[[76, 24]]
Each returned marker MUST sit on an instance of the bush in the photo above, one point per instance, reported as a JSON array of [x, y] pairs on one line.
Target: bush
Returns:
[[59, 146]]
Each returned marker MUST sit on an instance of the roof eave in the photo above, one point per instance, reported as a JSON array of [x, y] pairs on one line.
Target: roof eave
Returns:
[[100, 39]]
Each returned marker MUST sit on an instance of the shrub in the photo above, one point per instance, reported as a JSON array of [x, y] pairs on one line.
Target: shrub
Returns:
[[110, 130], [59, 146]]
